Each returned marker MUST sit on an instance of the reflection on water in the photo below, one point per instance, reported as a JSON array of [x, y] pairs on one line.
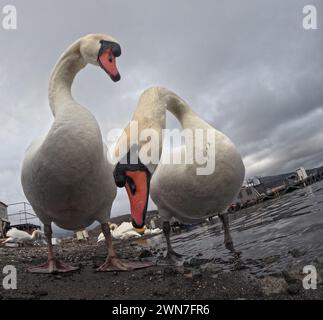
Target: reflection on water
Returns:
[[273, 236]]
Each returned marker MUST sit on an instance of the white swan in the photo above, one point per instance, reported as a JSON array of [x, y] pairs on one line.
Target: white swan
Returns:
[[65, 175], [153, 231], [18, 236], [122, 232], [177, 189], [126, 231]]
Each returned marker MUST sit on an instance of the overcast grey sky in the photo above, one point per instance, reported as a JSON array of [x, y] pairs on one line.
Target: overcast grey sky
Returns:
[[248, 67]]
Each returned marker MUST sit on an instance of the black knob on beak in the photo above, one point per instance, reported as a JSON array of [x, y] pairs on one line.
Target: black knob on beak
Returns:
[[116, 49]]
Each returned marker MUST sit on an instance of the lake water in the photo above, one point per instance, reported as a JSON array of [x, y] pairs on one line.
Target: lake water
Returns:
[[279, 234]]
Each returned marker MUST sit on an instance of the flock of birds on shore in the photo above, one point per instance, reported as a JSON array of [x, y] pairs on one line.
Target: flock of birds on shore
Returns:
[[69, 181], [122, 232]]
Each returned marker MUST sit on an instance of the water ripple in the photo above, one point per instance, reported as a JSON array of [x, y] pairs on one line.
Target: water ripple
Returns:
[[268, 235]]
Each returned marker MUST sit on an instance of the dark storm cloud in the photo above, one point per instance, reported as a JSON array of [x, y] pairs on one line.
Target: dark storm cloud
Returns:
[[247, 67]]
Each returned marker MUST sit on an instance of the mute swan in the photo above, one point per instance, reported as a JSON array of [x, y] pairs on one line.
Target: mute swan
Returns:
[[19, 236], [122, 232], [66, 176], [126, 231], [177, 189]]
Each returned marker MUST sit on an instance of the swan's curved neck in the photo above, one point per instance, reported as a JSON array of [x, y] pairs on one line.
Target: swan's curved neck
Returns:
[[150, 113], [178, 107], [152, 106], [34, 234], [63, 74]]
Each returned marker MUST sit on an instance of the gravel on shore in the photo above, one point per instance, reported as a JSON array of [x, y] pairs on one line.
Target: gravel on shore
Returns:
[[198, 279]]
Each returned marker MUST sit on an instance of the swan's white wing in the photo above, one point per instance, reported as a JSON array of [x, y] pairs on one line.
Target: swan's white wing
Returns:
[[156, 231], [153, 231], [130, 234], [18, 234], [133, 233], [101, 237], [124, 227]]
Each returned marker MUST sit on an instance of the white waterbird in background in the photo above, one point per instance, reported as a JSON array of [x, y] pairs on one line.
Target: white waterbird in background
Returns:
[[126, 231], [17, 236]]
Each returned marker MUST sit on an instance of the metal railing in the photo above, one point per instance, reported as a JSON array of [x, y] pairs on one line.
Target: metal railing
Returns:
[[22, 213]]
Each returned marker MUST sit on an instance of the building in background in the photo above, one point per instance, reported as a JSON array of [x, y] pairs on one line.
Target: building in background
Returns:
[[248, 194], [4, 221], [82, 235], [23, 217], [301, 173], [260, 189], [266, 184]]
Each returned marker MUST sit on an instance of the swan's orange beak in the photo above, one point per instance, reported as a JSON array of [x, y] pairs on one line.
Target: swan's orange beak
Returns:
[[137, 186], [107, 61]]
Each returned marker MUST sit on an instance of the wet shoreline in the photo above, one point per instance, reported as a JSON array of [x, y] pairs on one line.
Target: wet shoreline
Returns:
[[274, 242], [197, 278]]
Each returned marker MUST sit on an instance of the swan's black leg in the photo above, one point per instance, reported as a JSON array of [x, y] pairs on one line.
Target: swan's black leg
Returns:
[[113, 263], [170, 251], [227, 234], [52, 265]]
